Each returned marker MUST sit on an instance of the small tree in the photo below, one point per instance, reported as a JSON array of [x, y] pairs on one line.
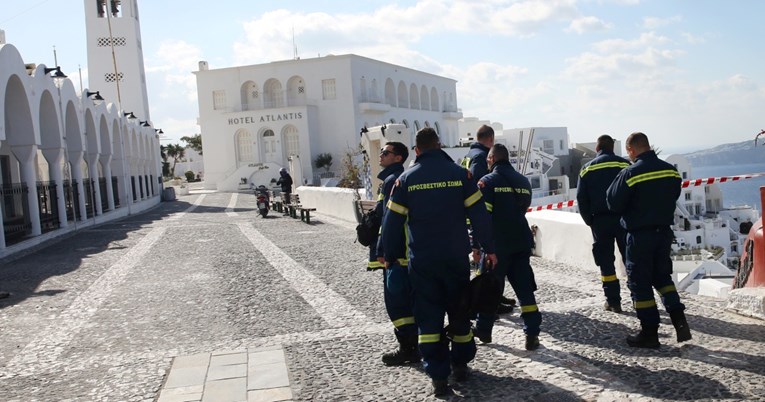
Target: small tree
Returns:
[[351, 174], [194, 142], [323, 161], [175, 151]]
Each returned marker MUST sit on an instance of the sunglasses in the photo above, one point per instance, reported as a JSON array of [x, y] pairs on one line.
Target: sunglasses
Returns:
[[385, 152]]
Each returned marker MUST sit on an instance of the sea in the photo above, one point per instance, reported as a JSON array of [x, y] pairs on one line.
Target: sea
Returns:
[[742, 192]]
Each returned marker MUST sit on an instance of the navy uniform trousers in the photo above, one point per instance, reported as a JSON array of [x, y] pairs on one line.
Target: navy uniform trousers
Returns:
[[605, 230], [649, 267], [438, 288], [398, 303], [516, 267]]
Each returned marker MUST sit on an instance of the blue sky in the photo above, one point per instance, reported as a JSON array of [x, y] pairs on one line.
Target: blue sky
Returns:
[[690, 73]]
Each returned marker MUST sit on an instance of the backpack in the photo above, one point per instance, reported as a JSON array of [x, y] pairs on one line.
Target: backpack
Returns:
[[367, 230], [485, 294]]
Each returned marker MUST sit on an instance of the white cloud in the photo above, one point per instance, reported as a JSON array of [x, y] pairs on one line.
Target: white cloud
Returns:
[[647, 39], [174, 129], [693, 39], [393, 27], [648, 63], [620, 2], [656, 22], [589, 24], [174, 61]]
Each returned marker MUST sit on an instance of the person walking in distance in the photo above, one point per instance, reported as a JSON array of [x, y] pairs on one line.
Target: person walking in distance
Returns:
[[507, 195], [431, 200], [397, 290], [644, 194], [594, 179]]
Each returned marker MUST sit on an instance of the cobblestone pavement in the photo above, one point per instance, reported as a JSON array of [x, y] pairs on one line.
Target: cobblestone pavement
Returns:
[[101, 316]]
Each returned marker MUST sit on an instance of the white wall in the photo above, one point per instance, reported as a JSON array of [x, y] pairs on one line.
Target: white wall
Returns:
[[332, 201], [559, 136], [563, 237]]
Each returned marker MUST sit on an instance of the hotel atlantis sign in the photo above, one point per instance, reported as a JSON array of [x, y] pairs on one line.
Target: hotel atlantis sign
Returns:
[[266, 118]]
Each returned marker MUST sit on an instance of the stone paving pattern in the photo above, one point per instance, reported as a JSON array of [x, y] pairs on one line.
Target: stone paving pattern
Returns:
[[103, 315]]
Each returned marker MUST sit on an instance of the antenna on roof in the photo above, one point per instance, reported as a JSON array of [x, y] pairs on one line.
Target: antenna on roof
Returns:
[[294, 46]]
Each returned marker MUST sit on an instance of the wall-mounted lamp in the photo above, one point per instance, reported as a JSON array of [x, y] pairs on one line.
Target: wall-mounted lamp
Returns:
[[129, 115], [58, 73], [98, 96], [145, 123], [159, 131]]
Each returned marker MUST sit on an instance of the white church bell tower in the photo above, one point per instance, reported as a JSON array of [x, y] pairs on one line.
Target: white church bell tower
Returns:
[[115, 54]]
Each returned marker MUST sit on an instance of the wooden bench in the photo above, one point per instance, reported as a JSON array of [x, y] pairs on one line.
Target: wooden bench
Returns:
[[276, 203], [293, 207]]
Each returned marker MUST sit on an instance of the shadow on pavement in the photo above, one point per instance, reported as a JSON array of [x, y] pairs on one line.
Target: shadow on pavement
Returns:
[[725, 329], [22, 273], [662, 383]]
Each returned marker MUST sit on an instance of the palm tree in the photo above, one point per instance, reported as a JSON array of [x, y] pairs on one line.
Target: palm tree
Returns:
[[177, 152]]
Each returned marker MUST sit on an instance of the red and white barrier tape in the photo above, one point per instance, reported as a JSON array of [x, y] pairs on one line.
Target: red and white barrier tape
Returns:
[[685, 184], [557, 205], [723, 179]]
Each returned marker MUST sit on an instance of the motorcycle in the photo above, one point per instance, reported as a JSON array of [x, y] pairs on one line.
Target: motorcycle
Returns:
[[262, 200]]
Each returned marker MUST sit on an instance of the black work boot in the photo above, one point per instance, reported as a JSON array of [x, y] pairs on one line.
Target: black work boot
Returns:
[[532, 342], [648, 337], [681, 325], [461, 372], [441, 388], [505, 309], [483, 336], [505, 300], [615, 307], [401, 356]]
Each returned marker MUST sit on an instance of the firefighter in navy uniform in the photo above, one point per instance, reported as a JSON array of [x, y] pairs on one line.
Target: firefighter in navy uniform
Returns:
[[507, 195], [645, 194], [594, 179], [396, 288], [475, 160], [431, 200]]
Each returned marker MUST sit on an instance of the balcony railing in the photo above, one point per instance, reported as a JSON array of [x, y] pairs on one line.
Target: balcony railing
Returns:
[[47, 202], [16, 222], [115, 191], [90, 197], [72, 200], [104, 198]]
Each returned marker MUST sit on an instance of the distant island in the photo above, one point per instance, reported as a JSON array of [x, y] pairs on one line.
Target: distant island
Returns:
[[739, 153]]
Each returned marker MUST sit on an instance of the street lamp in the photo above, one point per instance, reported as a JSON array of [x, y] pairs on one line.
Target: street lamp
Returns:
[[97, 96], [58, 73]]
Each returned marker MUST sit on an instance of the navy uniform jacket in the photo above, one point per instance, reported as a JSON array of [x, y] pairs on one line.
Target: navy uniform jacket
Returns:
[[475, 160], [594, 179], [432, 198], [645, 193], [388, 176], [507, 194]]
